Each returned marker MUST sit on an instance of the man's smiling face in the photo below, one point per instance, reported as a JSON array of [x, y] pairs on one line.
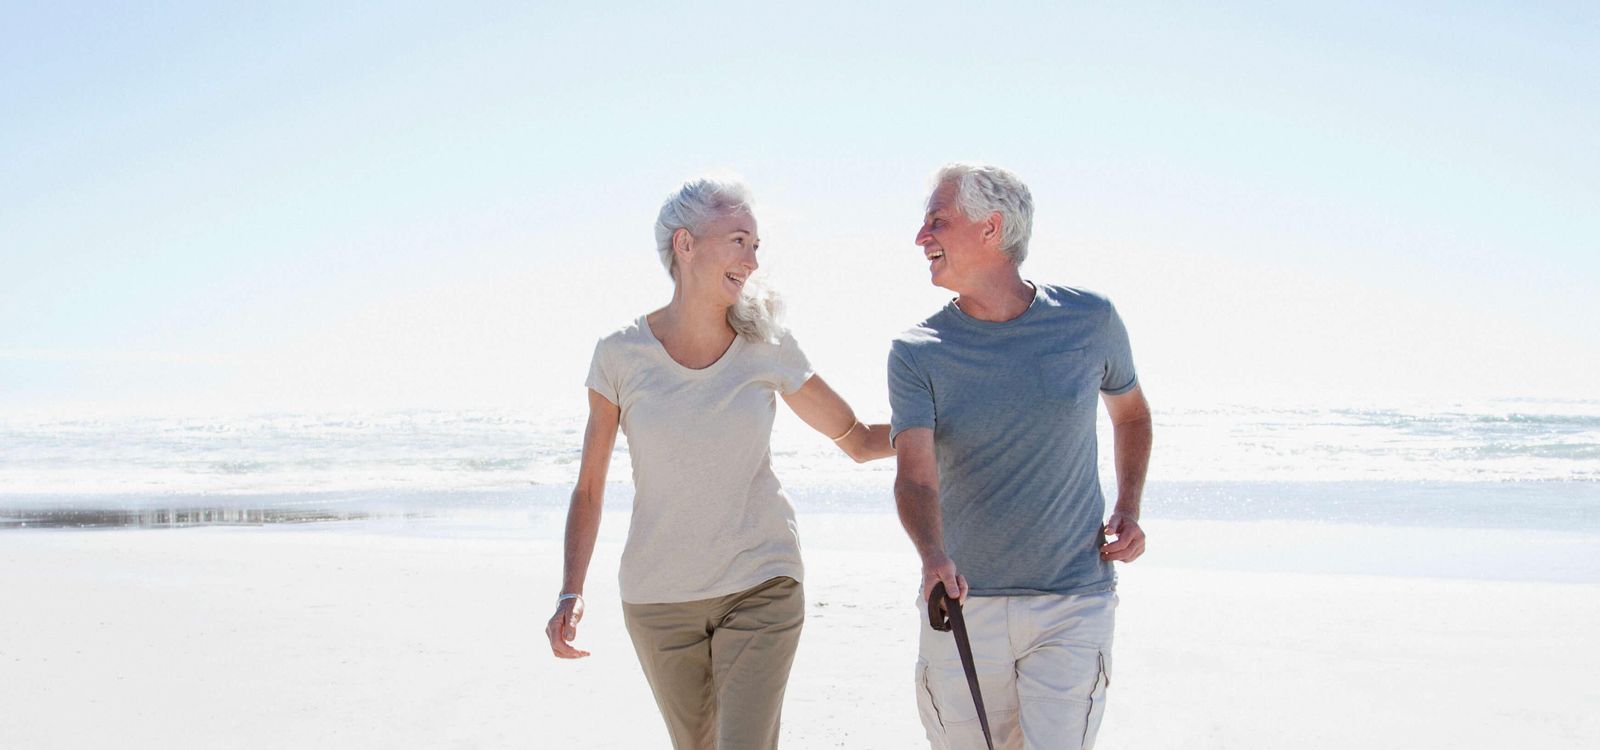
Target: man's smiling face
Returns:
[[952, 243]]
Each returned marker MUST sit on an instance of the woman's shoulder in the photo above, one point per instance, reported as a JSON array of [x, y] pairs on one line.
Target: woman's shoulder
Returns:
[[621, 349], [780, 359], [632, 333], [781, 345]]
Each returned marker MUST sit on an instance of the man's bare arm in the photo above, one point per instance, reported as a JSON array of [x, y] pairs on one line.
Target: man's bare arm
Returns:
[[916, 497], [1132, 434]]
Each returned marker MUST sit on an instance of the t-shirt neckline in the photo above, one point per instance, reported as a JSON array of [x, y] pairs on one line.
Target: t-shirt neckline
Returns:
[[962, 316], [661, 349]]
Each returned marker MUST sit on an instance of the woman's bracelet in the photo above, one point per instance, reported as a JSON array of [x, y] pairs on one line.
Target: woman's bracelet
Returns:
[[565, 597], [846, 433]]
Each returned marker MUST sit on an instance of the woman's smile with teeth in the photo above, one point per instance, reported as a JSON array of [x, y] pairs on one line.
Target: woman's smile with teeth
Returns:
[[735, 279]]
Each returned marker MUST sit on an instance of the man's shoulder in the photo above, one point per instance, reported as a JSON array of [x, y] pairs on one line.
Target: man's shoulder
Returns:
[[926, 332], [1072, 298]]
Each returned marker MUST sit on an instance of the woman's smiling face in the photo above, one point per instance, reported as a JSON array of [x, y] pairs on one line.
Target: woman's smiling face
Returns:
[[722, 255]]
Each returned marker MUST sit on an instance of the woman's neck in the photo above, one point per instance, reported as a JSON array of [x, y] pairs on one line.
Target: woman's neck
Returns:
[[696, 334]]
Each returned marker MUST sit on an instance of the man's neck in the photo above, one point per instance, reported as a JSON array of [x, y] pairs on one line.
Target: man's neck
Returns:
[[997, 300]]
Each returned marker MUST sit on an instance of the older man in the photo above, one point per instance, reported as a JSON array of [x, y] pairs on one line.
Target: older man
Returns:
[[994, 410]]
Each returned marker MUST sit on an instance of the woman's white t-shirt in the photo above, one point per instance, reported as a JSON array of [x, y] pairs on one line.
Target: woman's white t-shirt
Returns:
[[709, 517]]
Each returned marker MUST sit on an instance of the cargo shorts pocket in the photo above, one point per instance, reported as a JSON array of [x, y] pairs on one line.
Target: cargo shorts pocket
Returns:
[[1097, 702], [928, 710]]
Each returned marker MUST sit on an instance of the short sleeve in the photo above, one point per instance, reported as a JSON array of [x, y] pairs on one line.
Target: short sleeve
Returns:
[[793, 367], [1119, 376], [603, 377], [910, 393]]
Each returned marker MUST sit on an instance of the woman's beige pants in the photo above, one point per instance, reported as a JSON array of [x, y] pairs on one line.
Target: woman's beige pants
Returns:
[[718, 666]]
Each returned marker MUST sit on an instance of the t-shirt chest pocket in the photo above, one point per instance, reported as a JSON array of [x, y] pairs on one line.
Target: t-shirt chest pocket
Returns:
[[1067, 377]]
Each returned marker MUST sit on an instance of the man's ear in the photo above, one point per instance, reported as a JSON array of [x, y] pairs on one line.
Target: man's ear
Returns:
[[993, 226]]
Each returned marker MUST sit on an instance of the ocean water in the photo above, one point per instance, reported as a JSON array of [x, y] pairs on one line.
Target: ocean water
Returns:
[[1490, 464]]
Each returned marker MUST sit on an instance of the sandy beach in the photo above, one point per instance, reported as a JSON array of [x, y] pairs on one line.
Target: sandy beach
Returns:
[[357, 635]]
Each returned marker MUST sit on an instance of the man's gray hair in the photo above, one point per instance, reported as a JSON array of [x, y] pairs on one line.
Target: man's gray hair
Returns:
[[757, 315], [982, 189]]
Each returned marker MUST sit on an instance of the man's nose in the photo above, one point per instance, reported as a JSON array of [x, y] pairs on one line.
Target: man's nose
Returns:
[[924, 236]]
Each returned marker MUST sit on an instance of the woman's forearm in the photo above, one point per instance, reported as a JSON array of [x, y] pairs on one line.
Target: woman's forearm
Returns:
[[868, 442], [583, 528], [588, 498]]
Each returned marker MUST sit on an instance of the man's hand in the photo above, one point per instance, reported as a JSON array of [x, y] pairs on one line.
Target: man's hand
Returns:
[[563, 629], [942, 568], [1129, 543]]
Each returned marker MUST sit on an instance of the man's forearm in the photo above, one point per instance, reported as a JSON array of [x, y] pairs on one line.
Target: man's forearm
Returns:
[[918, 505], [1133, 439]]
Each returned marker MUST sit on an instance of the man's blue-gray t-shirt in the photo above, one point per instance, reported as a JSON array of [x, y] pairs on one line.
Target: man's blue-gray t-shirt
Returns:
[[1012, 407]]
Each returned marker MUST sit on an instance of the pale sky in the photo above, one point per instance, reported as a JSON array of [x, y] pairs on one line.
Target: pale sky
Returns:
[[444, 206]]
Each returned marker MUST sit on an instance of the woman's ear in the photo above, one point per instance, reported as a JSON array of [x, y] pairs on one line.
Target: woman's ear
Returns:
[[680, 243]]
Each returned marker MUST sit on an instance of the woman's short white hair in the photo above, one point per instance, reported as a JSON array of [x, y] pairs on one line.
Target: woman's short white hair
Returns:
[[758, 313], [982, 189]]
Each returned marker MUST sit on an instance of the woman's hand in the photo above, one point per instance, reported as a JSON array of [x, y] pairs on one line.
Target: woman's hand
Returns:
[[563, 629]]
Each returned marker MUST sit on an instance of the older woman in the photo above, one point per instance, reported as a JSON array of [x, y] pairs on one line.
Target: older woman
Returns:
[[711, 571]]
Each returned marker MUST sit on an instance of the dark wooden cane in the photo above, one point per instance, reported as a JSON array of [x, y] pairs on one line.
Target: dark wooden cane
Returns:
[[944, 615]]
